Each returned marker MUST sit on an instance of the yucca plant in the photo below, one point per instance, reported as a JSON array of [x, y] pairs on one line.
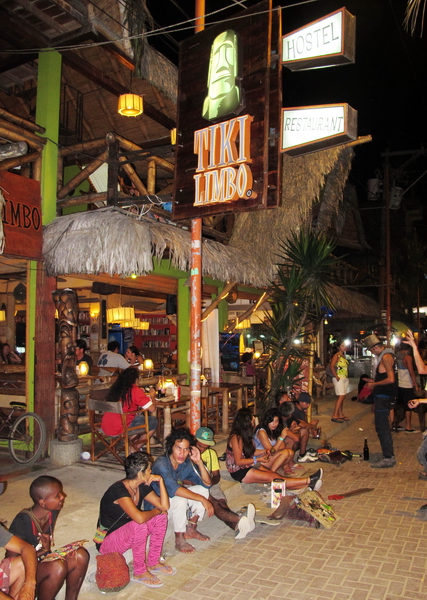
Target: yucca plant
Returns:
[[298, 295]]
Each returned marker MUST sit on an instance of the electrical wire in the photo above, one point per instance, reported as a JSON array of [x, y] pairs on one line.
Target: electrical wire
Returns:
[[176, 28]]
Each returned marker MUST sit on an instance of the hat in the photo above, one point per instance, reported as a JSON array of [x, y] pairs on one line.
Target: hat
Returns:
[[371, 341], [304, 397], [204, 435]]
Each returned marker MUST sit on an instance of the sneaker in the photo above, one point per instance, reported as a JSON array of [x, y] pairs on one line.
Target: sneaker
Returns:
[[243, 528], [398, 428], [307, 458], [250, 514], [316, 480], [311, 451], [384, 463]]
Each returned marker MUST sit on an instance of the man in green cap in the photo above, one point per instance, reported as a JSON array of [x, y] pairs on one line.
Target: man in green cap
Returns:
[[241, 524]]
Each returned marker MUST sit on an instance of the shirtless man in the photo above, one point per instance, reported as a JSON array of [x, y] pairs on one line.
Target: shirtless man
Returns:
[[384, 387]]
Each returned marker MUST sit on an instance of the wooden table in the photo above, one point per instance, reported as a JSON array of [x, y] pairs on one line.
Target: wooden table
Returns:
[[225, 389], [166, 406]]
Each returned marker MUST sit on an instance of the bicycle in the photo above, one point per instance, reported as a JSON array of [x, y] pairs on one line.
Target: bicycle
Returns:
[[25, 432]]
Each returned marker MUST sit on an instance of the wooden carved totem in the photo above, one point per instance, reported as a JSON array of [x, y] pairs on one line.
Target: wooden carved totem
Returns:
[[66, 304]]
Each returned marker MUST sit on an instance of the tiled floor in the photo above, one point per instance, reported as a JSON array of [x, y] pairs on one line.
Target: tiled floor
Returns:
[[377, 551]]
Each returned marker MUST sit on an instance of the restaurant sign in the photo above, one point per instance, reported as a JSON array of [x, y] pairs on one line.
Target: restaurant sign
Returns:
[[22, 218], [307, 129], [327, 42]]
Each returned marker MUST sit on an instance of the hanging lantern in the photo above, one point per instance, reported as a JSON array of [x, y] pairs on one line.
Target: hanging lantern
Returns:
[[120, 314], [130, 105], [84, 368]]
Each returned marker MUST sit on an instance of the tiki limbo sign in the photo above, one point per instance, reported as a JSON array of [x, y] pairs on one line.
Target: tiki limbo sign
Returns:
[[327, 42]]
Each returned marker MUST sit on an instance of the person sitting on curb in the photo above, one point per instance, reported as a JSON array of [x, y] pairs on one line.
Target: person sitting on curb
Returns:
[[269, 441], [18, 574], [243, 465], [180, 462], [241, 524], [307, 428], [36, 526]]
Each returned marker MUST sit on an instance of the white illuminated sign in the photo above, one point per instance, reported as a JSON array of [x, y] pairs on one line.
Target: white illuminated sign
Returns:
[[310, 128], [327, 42]]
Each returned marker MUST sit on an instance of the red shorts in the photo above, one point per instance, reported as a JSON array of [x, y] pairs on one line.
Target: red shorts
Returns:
[[5, 574]]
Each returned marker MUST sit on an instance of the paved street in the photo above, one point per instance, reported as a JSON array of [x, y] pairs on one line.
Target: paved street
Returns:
[[377, 551]]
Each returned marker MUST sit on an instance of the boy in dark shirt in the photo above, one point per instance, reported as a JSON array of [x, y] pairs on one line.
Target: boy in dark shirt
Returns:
[[307, 428]]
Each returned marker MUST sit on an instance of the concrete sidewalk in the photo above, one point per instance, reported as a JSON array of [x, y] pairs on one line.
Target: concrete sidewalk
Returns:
[[375, 552]]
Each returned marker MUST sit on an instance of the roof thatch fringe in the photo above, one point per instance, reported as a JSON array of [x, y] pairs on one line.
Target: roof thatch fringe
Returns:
[[302, 181], [113, 241], [353, 302], [160, 72]]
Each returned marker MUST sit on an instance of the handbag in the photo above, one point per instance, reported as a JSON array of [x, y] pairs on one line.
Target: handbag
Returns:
[[112, 572]]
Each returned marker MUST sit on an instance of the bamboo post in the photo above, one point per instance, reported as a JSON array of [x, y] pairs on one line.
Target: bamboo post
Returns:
[[113, 169], [12, 133], [82, 147], [151, 177], [37, 168], [133, 176], [85, 199], [11, 163], [224, 293], [84, 174], [21, 121]]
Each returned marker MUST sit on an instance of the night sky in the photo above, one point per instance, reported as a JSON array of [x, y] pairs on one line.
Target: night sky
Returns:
[[386, 85]]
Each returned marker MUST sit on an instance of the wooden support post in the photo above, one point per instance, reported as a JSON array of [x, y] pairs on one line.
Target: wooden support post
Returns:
[[84, 174], [21, 121], [133, 176], [113, 169], [151, 177], [14, 134]]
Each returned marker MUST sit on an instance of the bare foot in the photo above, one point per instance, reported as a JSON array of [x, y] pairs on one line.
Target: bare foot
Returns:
[[181, 545], [192, 534]]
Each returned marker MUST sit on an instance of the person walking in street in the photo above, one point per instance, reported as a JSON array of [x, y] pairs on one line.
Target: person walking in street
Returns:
[[408, 386], [339, 368], [384, 387]]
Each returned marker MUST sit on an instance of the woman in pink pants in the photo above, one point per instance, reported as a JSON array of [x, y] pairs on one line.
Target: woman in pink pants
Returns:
[[128, 526]]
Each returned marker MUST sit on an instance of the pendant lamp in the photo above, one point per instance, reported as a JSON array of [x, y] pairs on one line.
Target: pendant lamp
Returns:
[[130, 105]]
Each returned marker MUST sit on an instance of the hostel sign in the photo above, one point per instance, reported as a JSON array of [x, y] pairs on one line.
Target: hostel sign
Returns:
[[327, 42]]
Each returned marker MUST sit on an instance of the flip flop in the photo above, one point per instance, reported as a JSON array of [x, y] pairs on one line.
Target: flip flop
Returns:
[[345, 418], [337, 420], [151, 582], [162, 570]]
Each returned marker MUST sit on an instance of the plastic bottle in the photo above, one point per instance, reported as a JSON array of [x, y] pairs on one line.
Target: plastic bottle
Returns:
[[366, 450]]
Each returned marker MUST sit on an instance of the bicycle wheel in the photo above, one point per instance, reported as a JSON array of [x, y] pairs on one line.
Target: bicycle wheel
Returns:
[[27, 438]]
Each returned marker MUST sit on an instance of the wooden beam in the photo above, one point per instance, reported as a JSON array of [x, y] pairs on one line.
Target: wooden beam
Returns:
[[112, 86], [42, 16], [133, 176], [85, 199], [16, 134], [221, 296], [11, 163], [82, 146], [21, 122], [84, 174]]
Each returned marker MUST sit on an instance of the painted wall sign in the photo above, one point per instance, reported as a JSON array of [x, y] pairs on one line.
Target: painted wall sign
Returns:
[[327, 42], [22, 218], [306, 129], [225, 160]]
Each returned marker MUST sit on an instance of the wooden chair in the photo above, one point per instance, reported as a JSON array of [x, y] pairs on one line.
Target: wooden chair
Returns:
[[211, 406], [97, 406]]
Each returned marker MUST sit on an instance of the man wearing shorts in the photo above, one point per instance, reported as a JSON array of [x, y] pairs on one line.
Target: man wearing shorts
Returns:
[[18, 574]]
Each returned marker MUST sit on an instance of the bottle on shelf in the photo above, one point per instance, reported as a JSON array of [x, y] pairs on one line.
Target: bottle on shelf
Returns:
[[366, 450]]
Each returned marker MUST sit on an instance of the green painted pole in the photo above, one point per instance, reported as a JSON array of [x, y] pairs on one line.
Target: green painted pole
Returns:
[[183, 336]]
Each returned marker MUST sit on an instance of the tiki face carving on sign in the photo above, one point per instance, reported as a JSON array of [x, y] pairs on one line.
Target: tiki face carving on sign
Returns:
[[225, 95]]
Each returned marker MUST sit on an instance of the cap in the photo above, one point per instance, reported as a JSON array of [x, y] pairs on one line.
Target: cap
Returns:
[[304, 397], [371, 341], [204, 435]]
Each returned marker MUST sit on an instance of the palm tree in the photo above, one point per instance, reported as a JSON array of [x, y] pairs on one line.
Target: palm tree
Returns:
[[412, 10], [298, 295]]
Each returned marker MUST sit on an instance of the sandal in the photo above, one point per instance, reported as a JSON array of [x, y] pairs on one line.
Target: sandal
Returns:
[[335, 420], [163, 570], [151, 582], [422, 476]]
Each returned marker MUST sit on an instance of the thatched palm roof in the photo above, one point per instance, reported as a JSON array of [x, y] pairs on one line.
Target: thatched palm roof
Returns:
[[115, 241], [304, 179]]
